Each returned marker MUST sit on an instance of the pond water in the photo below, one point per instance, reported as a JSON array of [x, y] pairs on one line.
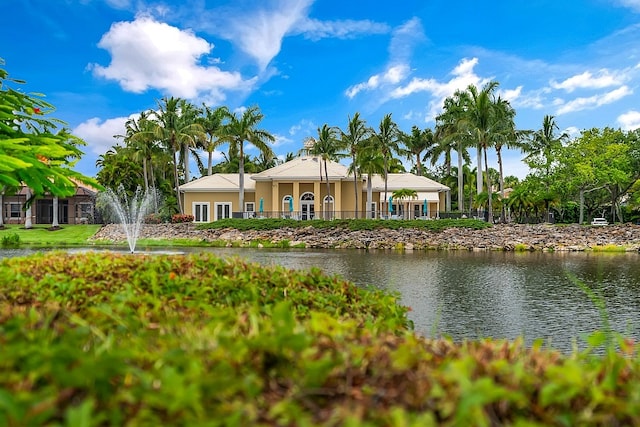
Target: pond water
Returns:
[[469, 295]]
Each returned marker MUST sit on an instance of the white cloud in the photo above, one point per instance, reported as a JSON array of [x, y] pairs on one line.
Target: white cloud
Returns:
[[149, 54], [631, 4], [314, 29], [99, 135], [393, 75], [463, 76], [307, 127], [259, 31], [594, 101], [511, 95], [629, 120], [404, 39], [604, 78]]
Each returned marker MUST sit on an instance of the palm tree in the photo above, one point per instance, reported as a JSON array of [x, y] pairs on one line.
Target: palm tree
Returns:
[[486, 123], [352, 140], [449, 133], [177, 129], [417, 142], [387, 142], [542, 150], [405, 193], [508, 136], [327, 148], [543, 146], [212, 122], [371, 161], [242, 128], [139, 137]]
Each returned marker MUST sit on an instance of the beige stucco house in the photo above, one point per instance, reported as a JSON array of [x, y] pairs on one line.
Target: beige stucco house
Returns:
[[295, 190]]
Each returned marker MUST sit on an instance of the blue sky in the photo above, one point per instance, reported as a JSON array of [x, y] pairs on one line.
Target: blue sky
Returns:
[[306, 62]]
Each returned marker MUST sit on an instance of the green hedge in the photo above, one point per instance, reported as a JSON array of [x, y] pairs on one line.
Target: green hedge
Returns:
[[349, 224], [101, 339]]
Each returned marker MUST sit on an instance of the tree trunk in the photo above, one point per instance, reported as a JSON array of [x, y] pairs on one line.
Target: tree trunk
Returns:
[[210, 163], [502, 211], [489, 192], [479, 170], [185, 160], [55, 223], [460, 180], [241, 177], [369, 195], [27, 219], [177, 183], [326, 173], [145, 174]]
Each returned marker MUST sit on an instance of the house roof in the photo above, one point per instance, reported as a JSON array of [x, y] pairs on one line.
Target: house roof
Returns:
[[398, 181], [304, 168], [220, 182]]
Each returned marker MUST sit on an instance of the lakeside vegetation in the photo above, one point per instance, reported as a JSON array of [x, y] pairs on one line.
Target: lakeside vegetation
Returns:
[[348, 224], [102, 339]]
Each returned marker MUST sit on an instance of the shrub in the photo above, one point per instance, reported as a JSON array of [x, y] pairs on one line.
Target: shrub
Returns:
[[11, 240], [115, 339], [181, 218], [153, 219]]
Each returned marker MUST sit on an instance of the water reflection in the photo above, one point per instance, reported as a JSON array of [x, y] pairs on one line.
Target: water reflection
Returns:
[[469, 295]]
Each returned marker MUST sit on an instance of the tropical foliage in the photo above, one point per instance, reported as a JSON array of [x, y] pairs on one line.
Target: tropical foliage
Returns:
[[564, 184], [36, 149], [93, 339]]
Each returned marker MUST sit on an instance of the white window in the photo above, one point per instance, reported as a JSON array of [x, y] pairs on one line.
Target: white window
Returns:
[[249, 209], [222, 210], [201, 212]]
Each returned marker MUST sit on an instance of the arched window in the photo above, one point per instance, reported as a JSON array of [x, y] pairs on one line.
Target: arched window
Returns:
[[307, 206], [328, 207]]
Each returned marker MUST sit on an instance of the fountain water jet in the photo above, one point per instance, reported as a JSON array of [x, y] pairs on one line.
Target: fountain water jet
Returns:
[[129, 211]]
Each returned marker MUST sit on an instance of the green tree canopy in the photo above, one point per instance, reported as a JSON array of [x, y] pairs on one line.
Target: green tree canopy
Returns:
[[35, 149]]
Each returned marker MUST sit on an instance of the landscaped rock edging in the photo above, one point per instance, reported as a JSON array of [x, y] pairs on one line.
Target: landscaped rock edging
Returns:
[[508, 237]]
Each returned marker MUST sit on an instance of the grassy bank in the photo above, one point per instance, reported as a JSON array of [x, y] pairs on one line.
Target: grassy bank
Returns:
[[42, 235], [101, 339]]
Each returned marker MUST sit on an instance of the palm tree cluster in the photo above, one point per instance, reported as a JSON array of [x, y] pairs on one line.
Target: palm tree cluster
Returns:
[[159, 144]]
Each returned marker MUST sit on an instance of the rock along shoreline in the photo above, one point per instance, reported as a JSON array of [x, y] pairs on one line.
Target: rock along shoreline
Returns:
[[501, 237]]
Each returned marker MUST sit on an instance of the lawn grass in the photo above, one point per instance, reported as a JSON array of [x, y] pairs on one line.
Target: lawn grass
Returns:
[[41, 235]]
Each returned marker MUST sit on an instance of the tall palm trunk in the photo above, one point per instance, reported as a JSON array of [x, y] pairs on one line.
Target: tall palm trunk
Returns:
[[489, 192], [460, 180], [185, 160], [55, 223], [326, 174], [241, 176], [355, 184], [502, 211], [479, 171], [177, 180], [145, 174], [369, 195]]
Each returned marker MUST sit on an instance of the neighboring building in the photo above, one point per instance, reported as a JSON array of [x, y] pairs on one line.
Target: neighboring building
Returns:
[[295, 190], [77, 209]]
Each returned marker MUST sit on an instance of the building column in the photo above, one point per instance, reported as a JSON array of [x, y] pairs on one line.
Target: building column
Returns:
[[317, 197], [296, 196], [275, 197], [337, 198]]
